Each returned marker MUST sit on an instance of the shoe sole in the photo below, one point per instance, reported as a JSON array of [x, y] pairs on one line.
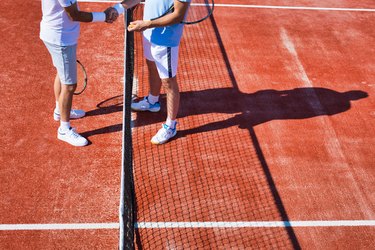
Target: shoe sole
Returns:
[[57, 117], [150, 110], [160, 143], [76, 145]]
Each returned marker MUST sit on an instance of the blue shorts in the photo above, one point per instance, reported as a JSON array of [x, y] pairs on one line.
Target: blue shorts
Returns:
[[64, 58]]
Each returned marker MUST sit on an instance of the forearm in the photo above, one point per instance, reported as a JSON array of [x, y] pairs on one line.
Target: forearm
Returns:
[[166, 20], [82, 16]]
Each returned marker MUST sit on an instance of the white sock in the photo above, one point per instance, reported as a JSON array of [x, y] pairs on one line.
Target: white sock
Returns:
[[152, 99], [57, 109], [64, 126], [171, 123]]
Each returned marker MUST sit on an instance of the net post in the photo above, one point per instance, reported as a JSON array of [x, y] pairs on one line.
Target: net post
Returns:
[[127, 196]]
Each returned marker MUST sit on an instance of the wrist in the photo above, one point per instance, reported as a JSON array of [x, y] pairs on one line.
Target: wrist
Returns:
[[98, 16], [120, 9], [148, 24]]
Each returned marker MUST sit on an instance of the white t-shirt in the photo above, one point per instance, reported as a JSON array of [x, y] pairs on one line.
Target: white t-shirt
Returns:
[[56, 27]]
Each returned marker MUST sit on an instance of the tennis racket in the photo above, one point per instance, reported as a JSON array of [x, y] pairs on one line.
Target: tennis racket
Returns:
[[81, 78], [198, 11]]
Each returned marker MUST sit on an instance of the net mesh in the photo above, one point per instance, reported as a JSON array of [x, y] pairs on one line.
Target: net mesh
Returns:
[[214, 171]]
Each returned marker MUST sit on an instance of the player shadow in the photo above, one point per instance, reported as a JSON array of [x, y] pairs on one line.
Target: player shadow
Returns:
[[250, 110]]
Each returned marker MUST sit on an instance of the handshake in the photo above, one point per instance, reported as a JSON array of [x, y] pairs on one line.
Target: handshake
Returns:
[[112, 13]]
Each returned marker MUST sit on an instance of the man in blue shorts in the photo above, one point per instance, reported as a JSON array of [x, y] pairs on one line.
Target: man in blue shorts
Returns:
[[161, 39], [59, 30]]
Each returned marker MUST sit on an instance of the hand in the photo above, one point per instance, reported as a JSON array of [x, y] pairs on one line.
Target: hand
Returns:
[[139, 25], [111, 15]]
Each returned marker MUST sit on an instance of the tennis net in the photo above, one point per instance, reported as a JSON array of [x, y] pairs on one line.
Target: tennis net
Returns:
[[127, 199]]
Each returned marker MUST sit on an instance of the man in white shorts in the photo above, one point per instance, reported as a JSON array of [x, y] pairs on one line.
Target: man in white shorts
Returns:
[[161, 39], [59, 30]]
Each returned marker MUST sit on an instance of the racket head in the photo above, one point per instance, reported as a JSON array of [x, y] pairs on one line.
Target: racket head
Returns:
[[81, 78], [199, 10]]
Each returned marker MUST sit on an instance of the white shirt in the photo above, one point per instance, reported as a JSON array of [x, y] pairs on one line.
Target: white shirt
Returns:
[[56, 27]]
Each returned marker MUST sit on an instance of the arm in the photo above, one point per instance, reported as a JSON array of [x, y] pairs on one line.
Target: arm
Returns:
[[109, 15], [176, 16], [126, 4]]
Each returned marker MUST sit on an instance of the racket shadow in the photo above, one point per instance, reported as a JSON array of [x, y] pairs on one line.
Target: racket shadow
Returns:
[[108, 106]]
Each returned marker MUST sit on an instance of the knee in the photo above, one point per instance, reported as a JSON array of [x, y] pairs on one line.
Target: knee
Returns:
[[69, 89]]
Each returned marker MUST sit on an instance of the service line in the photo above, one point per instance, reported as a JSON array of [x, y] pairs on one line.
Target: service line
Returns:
[[263, 6]]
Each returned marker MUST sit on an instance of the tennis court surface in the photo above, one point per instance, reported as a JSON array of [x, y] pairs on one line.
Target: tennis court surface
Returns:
[[275, 145]]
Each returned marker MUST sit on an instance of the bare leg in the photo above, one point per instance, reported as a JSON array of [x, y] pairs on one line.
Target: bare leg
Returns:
[[65, 132], [173, 96], [57, 87], [153, 79], [173, 100], [65, 101]]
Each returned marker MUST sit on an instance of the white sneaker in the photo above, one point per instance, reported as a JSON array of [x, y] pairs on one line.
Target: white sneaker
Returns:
[[74, 114], [144, 105], [72, 137], [163, 135]]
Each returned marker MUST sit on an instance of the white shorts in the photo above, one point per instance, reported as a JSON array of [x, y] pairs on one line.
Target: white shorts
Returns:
[[165, 58], [64, 58]]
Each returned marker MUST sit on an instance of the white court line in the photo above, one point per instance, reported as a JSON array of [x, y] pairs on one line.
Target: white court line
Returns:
[[237, 224], [75, 226], [263, 6], [292, 7]]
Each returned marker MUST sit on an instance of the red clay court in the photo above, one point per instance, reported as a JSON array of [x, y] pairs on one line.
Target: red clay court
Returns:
[[275, 145]]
